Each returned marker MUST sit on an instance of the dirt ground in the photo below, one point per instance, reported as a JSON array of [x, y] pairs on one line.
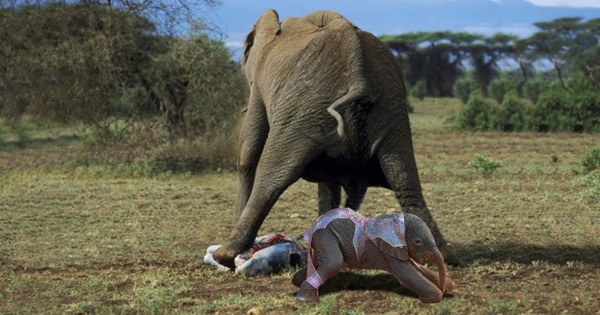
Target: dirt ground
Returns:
[[76, 240]]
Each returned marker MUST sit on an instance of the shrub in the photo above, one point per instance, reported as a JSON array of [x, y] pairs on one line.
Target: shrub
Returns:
[[553, 111], [592, 180], [201, 88], [409, 107], [500, 87], [484, 164], [476, 114], [419, 90], [587, 111], [464, 87], [534, 88], [200, 154], [559, 110], [512, 115], [590, 161]]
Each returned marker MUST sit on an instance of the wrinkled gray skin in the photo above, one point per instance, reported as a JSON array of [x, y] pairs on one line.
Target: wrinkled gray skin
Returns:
[[327, 104], [333, 249]]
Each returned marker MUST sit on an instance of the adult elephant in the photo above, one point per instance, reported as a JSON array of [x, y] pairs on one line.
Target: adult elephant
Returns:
[[327, 104]]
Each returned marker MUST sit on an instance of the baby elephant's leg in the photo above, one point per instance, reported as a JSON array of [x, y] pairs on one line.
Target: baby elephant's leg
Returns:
[[434, 276], [410, 277], [327, 259], [299, 277]]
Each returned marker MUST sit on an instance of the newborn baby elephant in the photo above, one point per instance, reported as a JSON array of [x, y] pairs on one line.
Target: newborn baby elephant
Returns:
[[396, 243]]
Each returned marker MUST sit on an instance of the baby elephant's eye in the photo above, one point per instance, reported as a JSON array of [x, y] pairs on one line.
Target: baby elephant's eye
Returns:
[[417, 242]]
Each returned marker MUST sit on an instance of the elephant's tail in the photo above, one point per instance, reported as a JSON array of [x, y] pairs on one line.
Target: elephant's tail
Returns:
[[365, 102]]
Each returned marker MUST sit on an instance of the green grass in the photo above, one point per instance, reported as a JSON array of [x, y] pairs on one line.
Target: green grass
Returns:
[[77, 239]]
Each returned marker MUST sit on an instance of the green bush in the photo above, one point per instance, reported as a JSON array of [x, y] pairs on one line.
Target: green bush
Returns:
[[476, 114], [484, 164], [500, 87], [592, 180], [534, 88], [590, 161], [552, 111], [419, 90], [513, 115], [559, 110], [587, 111], [409, 107], [464, 87]]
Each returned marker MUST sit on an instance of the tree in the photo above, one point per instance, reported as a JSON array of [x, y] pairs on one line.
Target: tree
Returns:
[[560, 40], [438, 58], [198, 85], [484, 56]]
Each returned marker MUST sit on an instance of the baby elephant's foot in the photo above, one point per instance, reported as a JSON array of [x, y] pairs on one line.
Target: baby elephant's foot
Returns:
[[432, 298], [449, 285], [307, 293]]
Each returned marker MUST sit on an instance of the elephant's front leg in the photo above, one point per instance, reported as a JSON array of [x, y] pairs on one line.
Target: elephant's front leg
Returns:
[[330, 196], [411, 278]]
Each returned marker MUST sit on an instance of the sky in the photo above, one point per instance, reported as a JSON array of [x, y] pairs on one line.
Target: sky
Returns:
[[235, 18]]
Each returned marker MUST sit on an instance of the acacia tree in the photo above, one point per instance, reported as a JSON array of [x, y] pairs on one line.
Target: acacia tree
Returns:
[[440, 58], [561, 40], [485, 53], [429, 57]]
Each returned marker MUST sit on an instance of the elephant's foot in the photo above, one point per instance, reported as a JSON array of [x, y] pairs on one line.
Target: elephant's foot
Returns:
[[226, 254], [307, 293], [299, 277]]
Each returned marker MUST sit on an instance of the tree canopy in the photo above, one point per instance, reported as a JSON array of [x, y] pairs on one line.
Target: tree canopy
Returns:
[[440, 58]]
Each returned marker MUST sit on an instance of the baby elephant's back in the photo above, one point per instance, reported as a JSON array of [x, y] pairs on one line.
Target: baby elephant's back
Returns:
[[371, 258]]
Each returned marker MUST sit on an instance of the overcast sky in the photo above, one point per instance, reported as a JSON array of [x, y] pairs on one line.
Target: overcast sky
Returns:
[[236, 17]]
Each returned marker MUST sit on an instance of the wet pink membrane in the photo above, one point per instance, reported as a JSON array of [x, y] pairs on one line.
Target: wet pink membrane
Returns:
[[389, 229]]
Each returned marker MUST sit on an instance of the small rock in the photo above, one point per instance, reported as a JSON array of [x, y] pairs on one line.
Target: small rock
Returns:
[[295, 215]]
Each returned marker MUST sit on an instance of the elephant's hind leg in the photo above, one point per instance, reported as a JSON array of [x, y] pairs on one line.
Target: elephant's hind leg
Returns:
[[252, 140], [328, 259]]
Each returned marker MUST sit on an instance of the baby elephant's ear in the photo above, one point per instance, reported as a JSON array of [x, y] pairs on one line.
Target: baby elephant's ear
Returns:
[[400, 253], [387, 232]]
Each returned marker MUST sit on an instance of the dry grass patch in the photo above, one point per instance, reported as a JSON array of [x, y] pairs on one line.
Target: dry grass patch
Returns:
[[79, 242]]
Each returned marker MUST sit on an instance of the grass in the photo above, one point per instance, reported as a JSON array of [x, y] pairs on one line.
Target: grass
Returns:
[[78, 240]]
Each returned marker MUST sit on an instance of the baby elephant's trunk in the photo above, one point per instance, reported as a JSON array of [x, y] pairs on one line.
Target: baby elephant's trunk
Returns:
[[438, 260]]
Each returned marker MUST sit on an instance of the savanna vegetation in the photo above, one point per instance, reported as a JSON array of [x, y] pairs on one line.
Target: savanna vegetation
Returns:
[[546, 82], [117, 154], [124, 74], [520, 209]]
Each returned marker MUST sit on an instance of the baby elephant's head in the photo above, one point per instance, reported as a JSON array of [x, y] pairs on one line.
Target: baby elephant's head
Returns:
[[421, 245]]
